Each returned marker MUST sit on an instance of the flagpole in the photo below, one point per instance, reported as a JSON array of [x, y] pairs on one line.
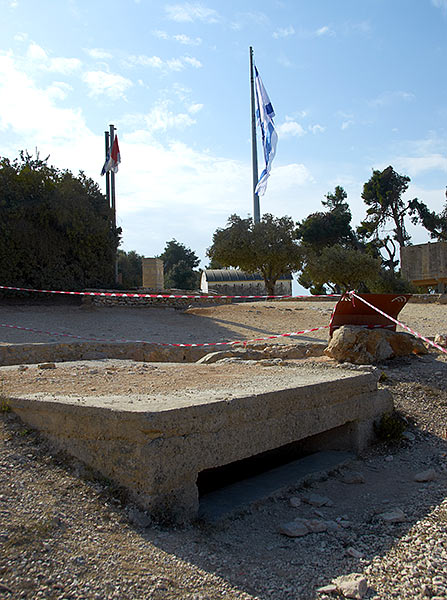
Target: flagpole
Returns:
[[113, 198], [108, 148], [254, 153]]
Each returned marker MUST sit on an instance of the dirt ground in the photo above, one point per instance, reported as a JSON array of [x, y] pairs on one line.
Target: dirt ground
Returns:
[[65, 535], [230, 322]]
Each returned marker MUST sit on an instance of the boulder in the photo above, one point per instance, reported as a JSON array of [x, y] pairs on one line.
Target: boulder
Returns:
[[441, 339], [363, 346]]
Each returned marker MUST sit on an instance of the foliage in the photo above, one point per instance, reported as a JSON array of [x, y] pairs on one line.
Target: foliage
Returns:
[[179, 263], [268, 247], [329, 227], [342, 269], [319, 233], [130, 265], [389, 282], [383, 195], [55, 228], [435, 224], [390, 427]]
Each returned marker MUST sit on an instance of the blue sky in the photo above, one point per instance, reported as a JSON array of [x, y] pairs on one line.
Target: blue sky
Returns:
[[356, 85]]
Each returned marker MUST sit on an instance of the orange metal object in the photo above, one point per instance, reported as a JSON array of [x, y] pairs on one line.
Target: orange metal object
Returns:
[[352, 311]]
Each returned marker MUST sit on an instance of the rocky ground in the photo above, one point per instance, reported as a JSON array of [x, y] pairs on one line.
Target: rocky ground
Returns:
[[65, 534]]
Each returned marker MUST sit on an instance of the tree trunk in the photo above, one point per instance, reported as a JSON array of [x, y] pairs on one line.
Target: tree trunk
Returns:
[[270, 285]]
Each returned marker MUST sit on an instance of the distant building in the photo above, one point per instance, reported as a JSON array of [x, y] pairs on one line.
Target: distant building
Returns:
[[425, 265], [233, 282]]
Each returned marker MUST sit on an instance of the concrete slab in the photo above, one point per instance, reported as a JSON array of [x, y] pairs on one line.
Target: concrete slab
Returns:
[[157, 445]]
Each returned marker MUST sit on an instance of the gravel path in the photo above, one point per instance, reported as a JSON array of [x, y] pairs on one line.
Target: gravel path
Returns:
[[64, 534]]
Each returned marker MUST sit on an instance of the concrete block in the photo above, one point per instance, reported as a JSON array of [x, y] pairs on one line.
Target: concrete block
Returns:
[[156, 446]]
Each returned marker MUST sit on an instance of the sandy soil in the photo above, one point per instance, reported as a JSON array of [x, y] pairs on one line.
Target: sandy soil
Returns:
[[196, 325]]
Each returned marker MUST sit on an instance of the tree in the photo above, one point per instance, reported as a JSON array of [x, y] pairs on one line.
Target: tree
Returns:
[[342, 269], [383, 195], [179, 263], [268, 247], [432, 222], [322, 230], [130, 265], [55, 229]]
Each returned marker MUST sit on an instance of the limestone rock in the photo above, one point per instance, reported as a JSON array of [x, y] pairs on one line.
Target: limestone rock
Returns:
[[351, 586], [362, 346], [316, 500], [294, 529], [396, 515], [353, 478], [139, 518], [424, 476], [441, 339], [327, 589], [295, 501], [354, 552], [316, 525]]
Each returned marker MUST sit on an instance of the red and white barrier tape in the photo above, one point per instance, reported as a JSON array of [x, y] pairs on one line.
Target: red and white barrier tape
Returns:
[[182, 296], [79, 337], [415, 333]]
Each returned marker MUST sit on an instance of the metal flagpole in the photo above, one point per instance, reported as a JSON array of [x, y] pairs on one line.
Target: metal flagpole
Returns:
[[107, 141], [254, 153], [113, 197]]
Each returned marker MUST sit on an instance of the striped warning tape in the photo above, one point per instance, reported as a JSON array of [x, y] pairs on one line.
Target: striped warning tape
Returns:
[[91, 339], [172, 296], [415, 333]]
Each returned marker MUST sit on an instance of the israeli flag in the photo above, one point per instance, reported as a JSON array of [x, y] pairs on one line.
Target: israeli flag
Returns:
[[265, 114]]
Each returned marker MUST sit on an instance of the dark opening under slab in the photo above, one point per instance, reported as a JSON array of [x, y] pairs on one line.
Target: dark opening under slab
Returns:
[[230, 488]]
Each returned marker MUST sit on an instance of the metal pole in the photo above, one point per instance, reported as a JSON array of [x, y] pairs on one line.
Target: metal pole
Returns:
[[113, 198], [107, 142], [254, 153]]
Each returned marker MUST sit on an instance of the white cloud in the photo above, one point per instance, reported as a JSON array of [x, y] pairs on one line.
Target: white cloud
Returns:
[[145, 61], [172, 64], [186, 40], [346, 124], [161, 118], [32, 114], [182, 38], [419, 164], [195, 108], [284, 32], [388, 97], [188, 12], [36, 54], [21, 37], [316, 129], [325, 30], [64, 65], [193, 62], [290, 128], [98, 53], [292, 175], [108, 84], [59, 90]]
